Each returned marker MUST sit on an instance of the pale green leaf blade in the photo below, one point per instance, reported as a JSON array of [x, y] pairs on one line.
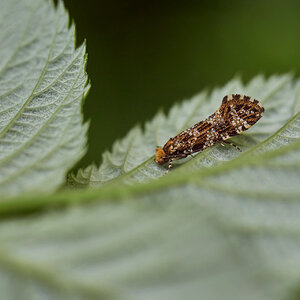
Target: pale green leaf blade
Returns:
[[42, 86], [132, 160]]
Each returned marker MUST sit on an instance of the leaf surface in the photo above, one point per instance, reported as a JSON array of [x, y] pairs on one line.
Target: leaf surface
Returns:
[[42, 84], [132, 159]]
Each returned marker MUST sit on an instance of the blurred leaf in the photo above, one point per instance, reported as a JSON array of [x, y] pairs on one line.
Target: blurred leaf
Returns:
[[223, 225], [42, 84]]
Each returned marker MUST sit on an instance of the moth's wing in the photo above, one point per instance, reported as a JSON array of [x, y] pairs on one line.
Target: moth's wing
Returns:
[[189, 140], [175, 147], [239, 112]]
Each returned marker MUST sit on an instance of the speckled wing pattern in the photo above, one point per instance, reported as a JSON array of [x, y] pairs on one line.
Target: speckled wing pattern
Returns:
[[236, 114]]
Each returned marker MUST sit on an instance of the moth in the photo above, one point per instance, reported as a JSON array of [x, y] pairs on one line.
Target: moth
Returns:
[[236, 114]]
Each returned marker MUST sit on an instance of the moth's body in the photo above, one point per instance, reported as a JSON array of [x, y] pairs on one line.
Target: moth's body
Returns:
[[236, 114]]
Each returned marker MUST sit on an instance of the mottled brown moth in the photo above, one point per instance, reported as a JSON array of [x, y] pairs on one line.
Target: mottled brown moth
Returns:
[[236, 114]]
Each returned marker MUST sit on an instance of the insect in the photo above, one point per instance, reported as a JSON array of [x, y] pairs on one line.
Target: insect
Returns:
[[236, 114]]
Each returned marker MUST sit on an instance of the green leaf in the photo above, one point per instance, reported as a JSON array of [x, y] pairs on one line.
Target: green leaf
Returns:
[[42, 86], [222, 225], [132, 159]]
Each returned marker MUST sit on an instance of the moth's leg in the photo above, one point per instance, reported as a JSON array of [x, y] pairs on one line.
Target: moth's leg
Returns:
[[191, 153], [176, 158], [170, 165], [231, 144]]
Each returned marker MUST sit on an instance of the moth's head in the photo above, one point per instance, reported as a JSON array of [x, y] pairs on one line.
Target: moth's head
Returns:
[[161, 156]]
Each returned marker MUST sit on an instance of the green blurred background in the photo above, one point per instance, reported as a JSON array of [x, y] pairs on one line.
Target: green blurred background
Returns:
[[145, 55]]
